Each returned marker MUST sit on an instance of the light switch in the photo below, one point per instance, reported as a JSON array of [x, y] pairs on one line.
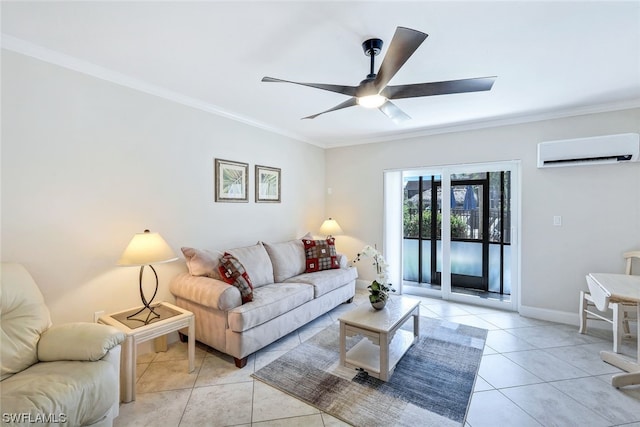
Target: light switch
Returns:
[[557, 220]]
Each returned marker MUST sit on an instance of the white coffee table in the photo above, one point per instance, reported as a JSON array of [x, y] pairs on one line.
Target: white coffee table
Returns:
[[385, 343]]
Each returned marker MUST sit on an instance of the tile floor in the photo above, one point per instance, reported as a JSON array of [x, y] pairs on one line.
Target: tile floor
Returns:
[[532, 373]]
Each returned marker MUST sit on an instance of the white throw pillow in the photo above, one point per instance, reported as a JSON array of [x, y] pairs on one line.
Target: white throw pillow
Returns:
[[256, 262], [287, 258], [202, 262]]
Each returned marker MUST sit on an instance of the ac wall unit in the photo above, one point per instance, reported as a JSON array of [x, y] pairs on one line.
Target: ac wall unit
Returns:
[[595, 150]]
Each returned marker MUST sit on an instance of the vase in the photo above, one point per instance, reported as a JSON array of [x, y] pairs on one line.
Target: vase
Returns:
[[379, 305]]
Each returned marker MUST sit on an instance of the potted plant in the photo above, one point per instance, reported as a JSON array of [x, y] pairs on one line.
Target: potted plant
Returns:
[[378, 289]]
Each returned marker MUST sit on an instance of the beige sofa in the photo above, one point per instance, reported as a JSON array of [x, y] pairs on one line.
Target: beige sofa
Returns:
[[53, 375], [285, 297]]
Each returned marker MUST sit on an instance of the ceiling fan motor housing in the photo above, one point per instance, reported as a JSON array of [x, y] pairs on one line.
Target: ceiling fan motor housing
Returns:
[[367, 87]]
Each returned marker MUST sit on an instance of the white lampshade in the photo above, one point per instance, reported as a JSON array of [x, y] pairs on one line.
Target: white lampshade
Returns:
[[147, 248], [330, 227]]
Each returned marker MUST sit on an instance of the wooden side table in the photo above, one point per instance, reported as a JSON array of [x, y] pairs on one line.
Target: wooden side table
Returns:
[[172, 318]]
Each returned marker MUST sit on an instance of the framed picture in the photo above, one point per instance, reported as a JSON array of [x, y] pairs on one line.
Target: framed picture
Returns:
[[267, 184], [231, 181]]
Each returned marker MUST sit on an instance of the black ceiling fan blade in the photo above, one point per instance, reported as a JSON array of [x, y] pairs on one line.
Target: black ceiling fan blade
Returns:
[[405, 41], [439, 88], [345, 90], [392, 111], [348, 103]]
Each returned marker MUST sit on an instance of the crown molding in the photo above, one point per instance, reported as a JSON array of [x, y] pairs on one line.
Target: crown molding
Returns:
[[24, 47], [492, 123], [70, 62]]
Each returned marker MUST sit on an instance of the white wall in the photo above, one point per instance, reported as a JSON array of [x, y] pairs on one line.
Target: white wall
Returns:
[[600, 205], [87, 163]]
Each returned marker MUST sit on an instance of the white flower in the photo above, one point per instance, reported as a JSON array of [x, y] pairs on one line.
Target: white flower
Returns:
[[380, 287], [382, 268], [369, 251]]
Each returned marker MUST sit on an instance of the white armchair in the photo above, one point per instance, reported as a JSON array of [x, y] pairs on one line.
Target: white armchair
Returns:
[[51, 375]]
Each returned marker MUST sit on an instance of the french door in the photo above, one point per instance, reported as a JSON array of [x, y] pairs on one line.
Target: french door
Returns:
[[458, 233]]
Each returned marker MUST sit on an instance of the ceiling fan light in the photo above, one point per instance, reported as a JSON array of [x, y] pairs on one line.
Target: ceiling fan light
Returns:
[[371, 101]]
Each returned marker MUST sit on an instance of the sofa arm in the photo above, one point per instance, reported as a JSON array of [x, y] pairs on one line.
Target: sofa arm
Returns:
[[78, 341], [206, 291]]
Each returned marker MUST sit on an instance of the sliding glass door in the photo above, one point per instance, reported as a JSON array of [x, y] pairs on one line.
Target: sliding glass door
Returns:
[[422, 248], [458, 228]]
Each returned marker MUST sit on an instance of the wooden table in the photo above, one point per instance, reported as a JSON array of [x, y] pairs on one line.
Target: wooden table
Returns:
[[172, 318], [620, 288], [384, 342]]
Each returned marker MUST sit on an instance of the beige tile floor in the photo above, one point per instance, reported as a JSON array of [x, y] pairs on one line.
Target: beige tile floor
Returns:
[[533, 373]]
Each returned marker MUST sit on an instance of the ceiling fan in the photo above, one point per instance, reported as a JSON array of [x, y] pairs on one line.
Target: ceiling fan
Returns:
[[374, 91]]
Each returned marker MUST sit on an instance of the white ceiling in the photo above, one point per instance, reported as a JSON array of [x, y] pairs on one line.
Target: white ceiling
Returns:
[[552, 59]]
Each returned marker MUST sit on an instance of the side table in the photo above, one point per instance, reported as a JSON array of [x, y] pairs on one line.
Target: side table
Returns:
[[172, 318]]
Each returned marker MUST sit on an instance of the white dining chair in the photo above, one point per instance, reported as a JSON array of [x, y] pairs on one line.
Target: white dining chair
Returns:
[[629, 257], [621, 313]]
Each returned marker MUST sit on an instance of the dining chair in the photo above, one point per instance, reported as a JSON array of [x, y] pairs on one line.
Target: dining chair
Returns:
[[621, 313], [629, 257]]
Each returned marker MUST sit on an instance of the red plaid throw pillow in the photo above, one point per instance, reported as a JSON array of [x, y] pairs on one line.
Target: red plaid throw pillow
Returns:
[[320, 254], [233, 273]]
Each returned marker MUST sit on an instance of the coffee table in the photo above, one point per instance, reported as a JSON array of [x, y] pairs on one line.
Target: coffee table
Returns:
[[385, 343]]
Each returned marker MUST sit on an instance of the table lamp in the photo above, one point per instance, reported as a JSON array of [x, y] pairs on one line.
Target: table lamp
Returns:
[[143, 250], [330, 227]]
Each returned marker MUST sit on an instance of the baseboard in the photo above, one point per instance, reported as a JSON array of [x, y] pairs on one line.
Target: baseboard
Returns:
[[565, 317], [557, 316], [362, 284]]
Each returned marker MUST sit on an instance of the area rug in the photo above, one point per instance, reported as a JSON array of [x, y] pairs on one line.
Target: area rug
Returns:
[[431, 385]]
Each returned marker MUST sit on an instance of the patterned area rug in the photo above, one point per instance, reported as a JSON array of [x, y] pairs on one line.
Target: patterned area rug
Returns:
[[432, 384]]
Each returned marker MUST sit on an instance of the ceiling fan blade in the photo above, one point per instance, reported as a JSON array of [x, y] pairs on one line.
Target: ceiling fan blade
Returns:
[[438, 88], [392, 111], [348, 103], [405, 41], [345, 90]]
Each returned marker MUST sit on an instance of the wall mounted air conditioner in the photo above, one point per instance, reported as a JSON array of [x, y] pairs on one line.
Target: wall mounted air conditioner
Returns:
[[619, 148]]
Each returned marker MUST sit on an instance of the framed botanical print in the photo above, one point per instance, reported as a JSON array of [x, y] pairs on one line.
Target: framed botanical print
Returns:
[[231, 181], [267, 184]]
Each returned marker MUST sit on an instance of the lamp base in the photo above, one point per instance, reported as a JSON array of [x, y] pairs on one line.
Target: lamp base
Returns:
[[152, 315]]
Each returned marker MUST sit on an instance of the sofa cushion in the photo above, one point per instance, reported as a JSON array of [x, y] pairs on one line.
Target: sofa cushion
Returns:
[[24, 316], [269, 301], [256, 262], [202, 262], [320, 254], [82, 391], [326, 281], [287, 258], [233, 273]]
